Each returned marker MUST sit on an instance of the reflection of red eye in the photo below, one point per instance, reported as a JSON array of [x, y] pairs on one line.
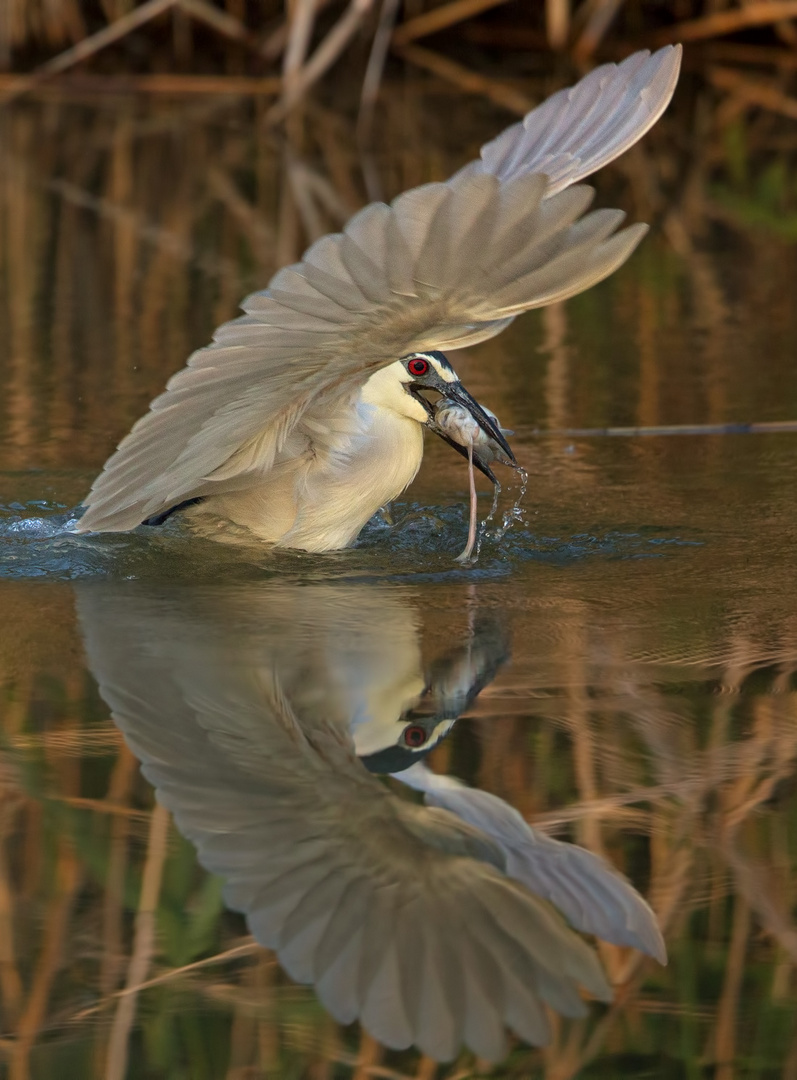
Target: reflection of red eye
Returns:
[[418, 366], [415, 736]]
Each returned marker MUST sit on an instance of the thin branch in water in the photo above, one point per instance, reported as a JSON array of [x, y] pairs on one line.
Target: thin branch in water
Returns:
[[143, 944]]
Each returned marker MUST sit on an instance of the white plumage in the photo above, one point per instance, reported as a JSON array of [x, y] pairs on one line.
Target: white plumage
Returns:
[[431, 924], [296, 424]]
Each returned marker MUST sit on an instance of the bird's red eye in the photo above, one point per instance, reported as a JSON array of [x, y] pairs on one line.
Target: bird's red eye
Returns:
[[415, 735], [418, 366]]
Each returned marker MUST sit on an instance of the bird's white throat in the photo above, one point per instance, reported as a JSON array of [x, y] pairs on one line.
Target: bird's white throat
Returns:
[[387, 389]]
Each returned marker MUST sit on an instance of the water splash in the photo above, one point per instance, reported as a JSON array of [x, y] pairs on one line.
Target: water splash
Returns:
[[512, 516], [37, 541]]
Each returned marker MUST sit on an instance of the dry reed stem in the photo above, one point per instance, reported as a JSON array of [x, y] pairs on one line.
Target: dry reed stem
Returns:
[[70, 742], [471, 82], [222, 22], [162, 84], [325, 55], [252, 224], [726, 22], [375, 68], [300, 29], [68, 877], [304, 199], [753, 91], [170, 241], [599, 20], [440, 18], [117, 30], [737, 52], [11, 989], [427, 1068], [119, 792], [172, 975], [369, 1056], [325, 194], [557, 22], [724, 1049], [102, 806], [557, 368], [745, 427], [143, 944]]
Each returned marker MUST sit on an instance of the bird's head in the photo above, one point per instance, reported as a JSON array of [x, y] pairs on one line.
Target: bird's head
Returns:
[[413, 386]]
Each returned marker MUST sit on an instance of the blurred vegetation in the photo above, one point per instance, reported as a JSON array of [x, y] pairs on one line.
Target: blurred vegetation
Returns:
[[277, 52]]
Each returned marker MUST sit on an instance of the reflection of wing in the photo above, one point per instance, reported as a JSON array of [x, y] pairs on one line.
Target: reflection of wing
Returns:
[[399, 914], [446, 265], [593, 896]]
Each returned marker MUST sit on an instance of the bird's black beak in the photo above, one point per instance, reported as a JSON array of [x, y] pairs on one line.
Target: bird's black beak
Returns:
[[457, 392], [487, 423]]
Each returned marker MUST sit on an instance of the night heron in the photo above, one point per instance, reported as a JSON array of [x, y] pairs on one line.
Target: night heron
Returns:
[[431, 924], [307, 413]]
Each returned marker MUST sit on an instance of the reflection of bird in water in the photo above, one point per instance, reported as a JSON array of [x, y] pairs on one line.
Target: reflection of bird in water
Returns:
[[306, 414], [246, 707]]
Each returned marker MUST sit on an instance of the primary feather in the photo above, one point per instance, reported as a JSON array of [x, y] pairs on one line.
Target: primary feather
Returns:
[[444, 266]]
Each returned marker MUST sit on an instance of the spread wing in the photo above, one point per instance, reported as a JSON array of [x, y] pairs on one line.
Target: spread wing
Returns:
[[400, 915], [444, 266], [591, 894]]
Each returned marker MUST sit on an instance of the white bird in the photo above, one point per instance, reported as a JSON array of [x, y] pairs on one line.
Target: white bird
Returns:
[[431, 924], [306, 414]]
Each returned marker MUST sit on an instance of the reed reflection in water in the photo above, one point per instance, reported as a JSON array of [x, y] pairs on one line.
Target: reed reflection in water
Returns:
[[675, 765]]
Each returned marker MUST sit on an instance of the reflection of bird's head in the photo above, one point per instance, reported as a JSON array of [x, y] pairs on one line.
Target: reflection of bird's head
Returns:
[[453, 682], [405, 743]]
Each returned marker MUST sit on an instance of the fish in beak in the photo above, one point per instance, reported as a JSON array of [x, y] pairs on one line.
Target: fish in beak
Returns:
[[466, 425], [458, 418], [476, 434]]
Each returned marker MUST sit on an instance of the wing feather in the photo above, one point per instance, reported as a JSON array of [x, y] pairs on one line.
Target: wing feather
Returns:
[[592, 896], [577, 131]]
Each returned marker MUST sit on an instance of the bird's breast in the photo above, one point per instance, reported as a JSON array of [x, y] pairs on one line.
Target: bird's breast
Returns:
[[351, 479]]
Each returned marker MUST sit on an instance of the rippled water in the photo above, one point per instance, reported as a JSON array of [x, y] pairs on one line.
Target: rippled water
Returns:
[[618, 666]]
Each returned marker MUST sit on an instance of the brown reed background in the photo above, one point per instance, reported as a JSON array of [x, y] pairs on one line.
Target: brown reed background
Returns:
[[130, 225], [281, 50]]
